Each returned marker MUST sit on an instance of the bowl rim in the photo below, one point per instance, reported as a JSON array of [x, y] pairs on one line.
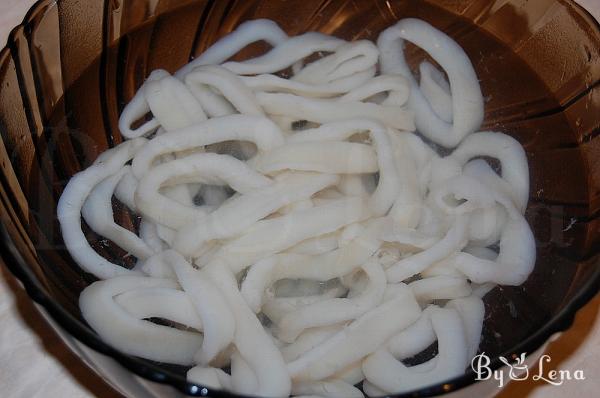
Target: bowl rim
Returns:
[[17, 265]]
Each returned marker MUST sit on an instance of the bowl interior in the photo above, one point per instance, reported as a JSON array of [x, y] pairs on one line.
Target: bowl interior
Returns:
[[73, 65]]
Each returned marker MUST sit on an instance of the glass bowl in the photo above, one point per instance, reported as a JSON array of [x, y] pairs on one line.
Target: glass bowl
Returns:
[[70, 67]]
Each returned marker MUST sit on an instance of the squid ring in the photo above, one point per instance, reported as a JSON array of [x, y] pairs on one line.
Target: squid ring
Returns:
[[467, 101], [72, 200]]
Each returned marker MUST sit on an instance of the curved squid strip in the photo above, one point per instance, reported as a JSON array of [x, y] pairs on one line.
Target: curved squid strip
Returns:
[[286, 54], [134, 336], [440, 287], [396, 84], [388, 255], [421, 153], [423, 157], [243, 379], [327, 196], [392, 290], [204, 79], [433, 221], [351, 374], [389, 374], [323, 267], [347, 60], [203, 167], [480, 290], [171, 102], [472, 311], [300, 205], [436, 90], [515, 260], [136, 109], [97, 211], [239, 213], [511, 156], [406, 210], [276, 308], [443, 169], [357, 340], [467, 101], [246, 33], [167, 234], [259, 130], [460, 195], [149, 234], [335, 310], [333, 158], [125, 189], [317, 245], [181, 194], [272, 83], [517, 253], [408, 239], [446, 267], [485, 226], [389, 186], [72, 200], [455, 240], [307, 340], [352, 185], [160, 302], [481, 252], [254, 345], [213, 102], [267, 237], [156, 267], [217, 319], [415, 338], [324, 111], [207, 253]]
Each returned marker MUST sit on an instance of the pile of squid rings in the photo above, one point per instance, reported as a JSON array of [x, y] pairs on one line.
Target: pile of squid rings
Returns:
[[300, 233]]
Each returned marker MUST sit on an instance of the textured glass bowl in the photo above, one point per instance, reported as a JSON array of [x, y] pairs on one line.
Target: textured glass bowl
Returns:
[[73, 64]]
